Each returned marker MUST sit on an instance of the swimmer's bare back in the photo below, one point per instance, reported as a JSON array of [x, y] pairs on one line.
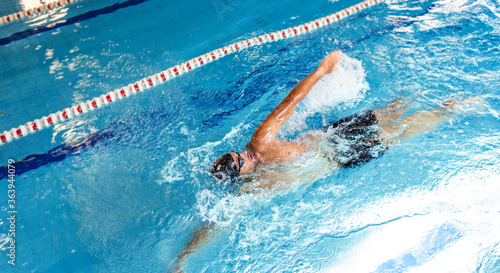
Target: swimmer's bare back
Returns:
[[264, 144]]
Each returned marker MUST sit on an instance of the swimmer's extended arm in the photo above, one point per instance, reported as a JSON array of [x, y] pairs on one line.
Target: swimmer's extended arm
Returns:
[[198, 239], [267, 130]]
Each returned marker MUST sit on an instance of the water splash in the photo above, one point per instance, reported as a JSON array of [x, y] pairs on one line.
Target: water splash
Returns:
[[342, 88], [196, 160]]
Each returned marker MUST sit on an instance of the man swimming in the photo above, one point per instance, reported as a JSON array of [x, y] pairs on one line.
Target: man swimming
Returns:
[[357, 139], [264, 147], [367, 135]]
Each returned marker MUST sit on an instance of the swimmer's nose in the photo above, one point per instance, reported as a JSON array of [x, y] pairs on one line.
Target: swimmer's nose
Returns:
[[244, 154]]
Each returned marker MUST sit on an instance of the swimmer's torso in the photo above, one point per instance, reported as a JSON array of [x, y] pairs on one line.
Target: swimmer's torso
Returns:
[[306, 167], [277, 152], [281, 151]]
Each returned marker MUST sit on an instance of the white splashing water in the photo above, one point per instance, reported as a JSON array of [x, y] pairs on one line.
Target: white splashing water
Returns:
[[221, 208], [194, 161], [344, 87]]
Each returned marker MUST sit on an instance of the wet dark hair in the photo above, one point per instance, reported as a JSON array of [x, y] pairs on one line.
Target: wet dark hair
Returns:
[[224, 168]]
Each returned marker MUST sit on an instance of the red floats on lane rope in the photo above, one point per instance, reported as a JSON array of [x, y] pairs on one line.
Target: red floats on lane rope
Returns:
[[33, 11]]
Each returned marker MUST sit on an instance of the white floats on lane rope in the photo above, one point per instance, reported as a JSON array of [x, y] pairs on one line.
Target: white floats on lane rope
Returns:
[[175, 71], [33, 11]]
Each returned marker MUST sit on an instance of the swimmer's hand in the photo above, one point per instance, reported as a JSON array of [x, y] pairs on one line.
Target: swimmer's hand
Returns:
[[328, 64]]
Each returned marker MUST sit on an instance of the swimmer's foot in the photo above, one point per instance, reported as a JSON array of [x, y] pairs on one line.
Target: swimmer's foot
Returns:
[[400, 104], [469, 104], [393, 112]]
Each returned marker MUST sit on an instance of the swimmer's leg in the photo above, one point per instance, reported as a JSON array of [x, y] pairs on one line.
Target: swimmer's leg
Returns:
[[422, 121], [391, 113], [198, 239]]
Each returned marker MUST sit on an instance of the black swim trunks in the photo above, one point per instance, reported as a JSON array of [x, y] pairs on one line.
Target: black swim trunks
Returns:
[[355, 139]]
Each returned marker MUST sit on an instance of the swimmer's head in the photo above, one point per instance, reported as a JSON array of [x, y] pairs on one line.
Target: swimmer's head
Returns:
[[232, 165]]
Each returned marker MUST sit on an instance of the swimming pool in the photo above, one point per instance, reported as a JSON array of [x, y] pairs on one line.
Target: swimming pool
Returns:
[[121, 189]]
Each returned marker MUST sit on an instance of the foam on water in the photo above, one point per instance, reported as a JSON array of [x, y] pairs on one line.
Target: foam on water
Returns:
[[221, 207], [195, 160]]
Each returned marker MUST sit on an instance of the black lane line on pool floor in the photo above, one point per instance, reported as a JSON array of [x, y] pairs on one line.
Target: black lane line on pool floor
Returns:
[[70, 21], [56, 154]]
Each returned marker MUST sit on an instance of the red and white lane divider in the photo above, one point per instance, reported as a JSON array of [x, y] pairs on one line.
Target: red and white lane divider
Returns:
[[175, 71], [33, 11]]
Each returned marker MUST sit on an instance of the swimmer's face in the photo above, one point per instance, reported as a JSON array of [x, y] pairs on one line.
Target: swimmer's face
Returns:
[[245, 161]]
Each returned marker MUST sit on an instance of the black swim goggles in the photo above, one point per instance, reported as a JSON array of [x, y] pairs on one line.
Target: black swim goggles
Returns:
[[240, 162]]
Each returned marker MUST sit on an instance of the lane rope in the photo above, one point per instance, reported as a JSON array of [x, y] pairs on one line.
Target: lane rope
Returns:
[[34, 11], [176, 71]]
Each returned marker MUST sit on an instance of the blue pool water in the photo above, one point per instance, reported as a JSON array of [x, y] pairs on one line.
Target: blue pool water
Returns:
[[122, 188]]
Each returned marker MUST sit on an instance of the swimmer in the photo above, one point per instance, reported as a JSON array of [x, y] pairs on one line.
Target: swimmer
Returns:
[[368, 134], [264, 147]]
